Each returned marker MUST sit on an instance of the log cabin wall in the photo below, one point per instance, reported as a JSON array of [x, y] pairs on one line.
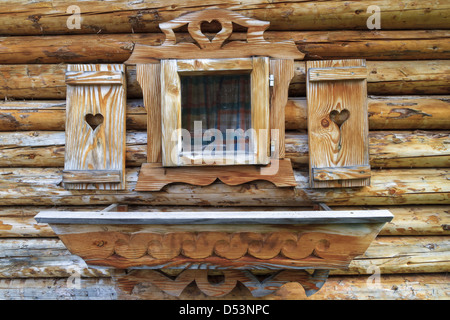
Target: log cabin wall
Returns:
[[409, 122]]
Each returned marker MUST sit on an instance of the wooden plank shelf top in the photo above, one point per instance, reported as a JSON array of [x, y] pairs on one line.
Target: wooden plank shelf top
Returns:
[[237, 217]]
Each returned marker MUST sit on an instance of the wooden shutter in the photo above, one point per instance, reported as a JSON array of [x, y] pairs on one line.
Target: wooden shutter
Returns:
[[95, 127], [338, 123]]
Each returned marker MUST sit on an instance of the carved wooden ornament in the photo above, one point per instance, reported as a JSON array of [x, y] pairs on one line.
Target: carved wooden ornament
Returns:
[[231, 241], [338, 130], [158, 72], [95, 127]]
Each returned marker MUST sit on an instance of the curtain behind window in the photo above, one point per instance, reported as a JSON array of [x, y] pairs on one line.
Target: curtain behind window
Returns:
[[219, 101]]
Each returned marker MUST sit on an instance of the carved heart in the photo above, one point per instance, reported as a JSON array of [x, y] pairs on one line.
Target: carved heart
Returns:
[[93, 120], [339, 117], [206, 26]]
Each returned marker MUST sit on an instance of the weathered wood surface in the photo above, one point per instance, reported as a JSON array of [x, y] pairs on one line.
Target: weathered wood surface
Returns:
[[338, 130], [46, 258], [220, 285], [46, 81], [95, 91], [116, 48], [149, 78], [408, 220], [282, 71], [42, 186], [385, 112], [218, 47], [387, 149], [389, 287], [153, 176], [394, 112], [236, 247], [43, 17]]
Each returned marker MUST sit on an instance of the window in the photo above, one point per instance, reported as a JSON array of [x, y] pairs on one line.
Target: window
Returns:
[[215, 111]]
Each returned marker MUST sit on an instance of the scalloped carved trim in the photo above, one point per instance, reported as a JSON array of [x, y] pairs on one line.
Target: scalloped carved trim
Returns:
[[215, 249], [153, 176], [217, 47], [226, 283]]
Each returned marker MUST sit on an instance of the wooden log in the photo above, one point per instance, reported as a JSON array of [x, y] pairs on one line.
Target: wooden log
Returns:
[[389, 287], [116, 48], [400, 113], [46, 258], [42, 186], [50, 115], [385, 113], [38, 81], [25, 18], [387, 149]]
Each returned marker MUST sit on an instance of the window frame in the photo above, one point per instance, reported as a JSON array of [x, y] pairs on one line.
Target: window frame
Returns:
[[171, 69]]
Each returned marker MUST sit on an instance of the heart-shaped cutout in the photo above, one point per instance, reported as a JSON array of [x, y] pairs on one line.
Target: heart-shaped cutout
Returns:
[[208, 29], [94, 120], [339, 117]]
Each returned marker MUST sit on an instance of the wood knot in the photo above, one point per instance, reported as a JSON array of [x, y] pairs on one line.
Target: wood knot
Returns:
[[325, 123], [99, 243]]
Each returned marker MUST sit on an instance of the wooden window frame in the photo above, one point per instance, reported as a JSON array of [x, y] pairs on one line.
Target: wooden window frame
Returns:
[[172, 69]]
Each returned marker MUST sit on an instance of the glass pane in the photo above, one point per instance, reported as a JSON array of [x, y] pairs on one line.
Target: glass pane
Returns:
[[216, 107]]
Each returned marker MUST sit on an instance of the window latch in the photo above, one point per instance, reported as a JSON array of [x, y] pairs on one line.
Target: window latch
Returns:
[[271, 80]]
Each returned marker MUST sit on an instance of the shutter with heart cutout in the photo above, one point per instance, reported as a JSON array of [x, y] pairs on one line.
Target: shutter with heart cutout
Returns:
[[338, 123], [95, 127]]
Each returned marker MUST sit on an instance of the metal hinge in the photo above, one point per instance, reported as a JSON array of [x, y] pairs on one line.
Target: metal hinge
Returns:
[[271, 80]]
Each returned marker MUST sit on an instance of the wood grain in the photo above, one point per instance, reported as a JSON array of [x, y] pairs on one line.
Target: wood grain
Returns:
[[149, 78], [425, 77], [336, 142], [283, 72], [215, 48], [341, 173], [170, 112], [30, 18], [42, 186], [325, 246], [208, 284], [260, 108], [86, 176], [104, 147], [338, 73], [153, 177], [95, 77], [385, 113]]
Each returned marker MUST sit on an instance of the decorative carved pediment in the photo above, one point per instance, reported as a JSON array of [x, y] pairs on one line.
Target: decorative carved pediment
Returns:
[[220, 46]]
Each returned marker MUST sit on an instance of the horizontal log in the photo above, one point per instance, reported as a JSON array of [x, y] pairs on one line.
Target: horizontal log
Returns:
[[343, 44], [42, 186], [42, 258], [385, 113], [408, 220], [44, 17], [387, 149], [47, 81], [389, 287], [51, 115], [394, 112]]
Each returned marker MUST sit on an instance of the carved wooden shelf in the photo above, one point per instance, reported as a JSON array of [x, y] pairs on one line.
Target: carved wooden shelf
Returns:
[[228, 241]]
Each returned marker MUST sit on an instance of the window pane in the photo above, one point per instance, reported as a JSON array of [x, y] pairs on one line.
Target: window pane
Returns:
[[217, 101]]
